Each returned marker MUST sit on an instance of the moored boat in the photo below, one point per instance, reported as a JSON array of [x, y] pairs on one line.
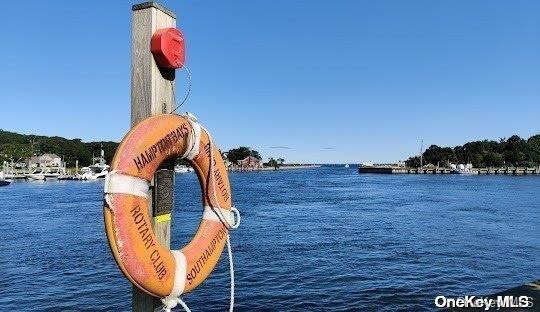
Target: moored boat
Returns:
[[54, 172], [182, 169], [3, 180], [96, 171], [463, 169], [36, 175]]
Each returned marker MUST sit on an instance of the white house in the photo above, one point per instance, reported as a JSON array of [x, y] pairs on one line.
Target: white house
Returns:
[[45, 160]]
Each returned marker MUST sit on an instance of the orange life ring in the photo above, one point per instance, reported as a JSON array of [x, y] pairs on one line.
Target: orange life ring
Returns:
[[151, 267]]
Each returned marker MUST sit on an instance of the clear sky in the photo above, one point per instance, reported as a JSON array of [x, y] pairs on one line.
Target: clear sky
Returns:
[[310, 81]]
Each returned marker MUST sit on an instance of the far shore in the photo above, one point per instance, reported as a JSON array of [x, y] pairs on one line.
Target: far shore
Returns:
[[283, 167]]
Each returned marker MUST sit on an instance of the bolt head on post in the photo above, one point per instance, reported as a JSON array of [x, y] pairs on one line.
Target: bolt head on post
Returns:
[[167, 46]]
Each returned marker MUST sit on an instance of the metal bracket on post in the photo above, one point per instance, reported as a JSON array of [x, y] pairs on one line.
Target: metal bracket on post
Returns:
[[163, 193]]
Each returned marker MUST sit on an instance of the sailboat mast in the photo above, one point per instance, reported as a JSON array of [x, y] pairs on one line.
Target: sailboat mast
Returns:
[[422, 154]]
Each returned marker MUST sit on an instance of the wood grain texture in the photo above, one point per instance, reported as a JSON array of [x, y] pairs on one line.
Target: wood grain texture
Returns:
[[151, 87], [151, 94]]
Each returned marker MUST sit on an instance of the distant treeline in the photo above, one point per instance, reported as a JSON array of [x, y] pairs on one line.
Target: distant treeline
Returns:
[[513, 151], [19, 147]]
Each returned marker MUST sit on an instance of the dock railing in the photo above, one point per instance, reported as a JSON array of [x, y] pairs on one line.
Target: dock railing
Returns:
[[444, 170]]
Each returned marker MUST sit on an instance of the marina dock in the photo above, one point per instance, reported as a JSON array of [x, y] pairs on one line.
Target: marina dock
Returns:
[[439, 170]]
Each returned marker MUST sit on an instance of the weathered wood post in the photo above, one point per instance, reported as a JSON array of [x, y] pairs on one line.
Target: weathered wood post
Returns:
[[152, 94]]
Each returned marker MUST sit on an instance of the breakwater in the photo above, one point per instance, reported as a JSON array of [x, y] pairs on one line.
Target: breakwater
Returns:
[[437, 170]]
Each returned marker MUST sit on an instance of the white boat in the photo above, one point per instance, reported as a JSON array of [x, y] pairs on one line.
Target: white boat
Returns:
[[3, 180], [346, 165], [182, 169], [367, 164], [54, 172], [462, 169], [96, 171], [36, 175]]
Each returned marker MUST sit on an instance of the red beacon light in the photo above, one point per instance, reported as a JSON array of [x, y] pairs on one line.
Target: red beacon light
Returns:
[[167, 46]]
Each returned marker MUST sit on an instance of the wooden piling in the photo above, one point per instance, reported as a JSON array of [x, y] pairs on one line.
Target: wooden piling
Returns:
[[152, 92]]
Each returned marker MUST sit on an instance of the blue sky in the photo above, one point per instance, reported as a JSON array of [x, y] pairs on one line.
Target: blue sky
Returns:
[[310, 81]]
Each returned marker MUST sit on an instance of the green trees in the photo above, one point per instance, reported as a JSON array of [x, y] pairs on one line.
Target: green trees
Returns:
[[513, 151], [413, 162], [441, 155], [534, 149], [19, 147], [274, 162]]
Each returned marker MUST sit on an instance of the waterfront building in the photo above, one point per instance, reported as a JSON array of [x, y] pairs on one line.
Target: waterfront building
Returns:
[[250, 163], [44, 161]]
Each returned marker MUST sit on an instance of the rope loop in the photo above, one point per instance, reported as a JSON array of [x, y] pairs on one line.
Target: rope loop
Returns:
[[194, 137], [170, 304], [236, 223], [231, 219]]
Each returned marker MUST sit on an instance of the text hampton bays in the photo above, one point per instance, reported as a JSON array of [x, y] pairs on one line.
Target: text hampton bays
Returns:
[[161, 146]]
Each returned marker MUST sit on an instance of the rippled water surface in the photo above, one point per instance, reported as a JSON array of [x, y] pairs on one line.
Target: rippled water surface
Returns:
[[310, 240]]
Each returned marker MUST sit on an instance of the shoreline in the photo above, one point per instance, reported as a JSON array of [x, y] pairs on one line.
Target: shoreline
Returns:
[[440, 170], [286, 167]]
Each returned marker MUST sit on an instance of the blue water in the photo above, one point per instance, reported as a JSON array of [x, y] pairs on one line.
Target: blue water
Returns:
[[310, 240]]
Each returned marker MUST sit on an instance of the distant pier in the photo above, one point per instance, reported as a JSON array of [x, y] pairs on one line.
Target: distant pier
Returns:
[[437, 170]]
